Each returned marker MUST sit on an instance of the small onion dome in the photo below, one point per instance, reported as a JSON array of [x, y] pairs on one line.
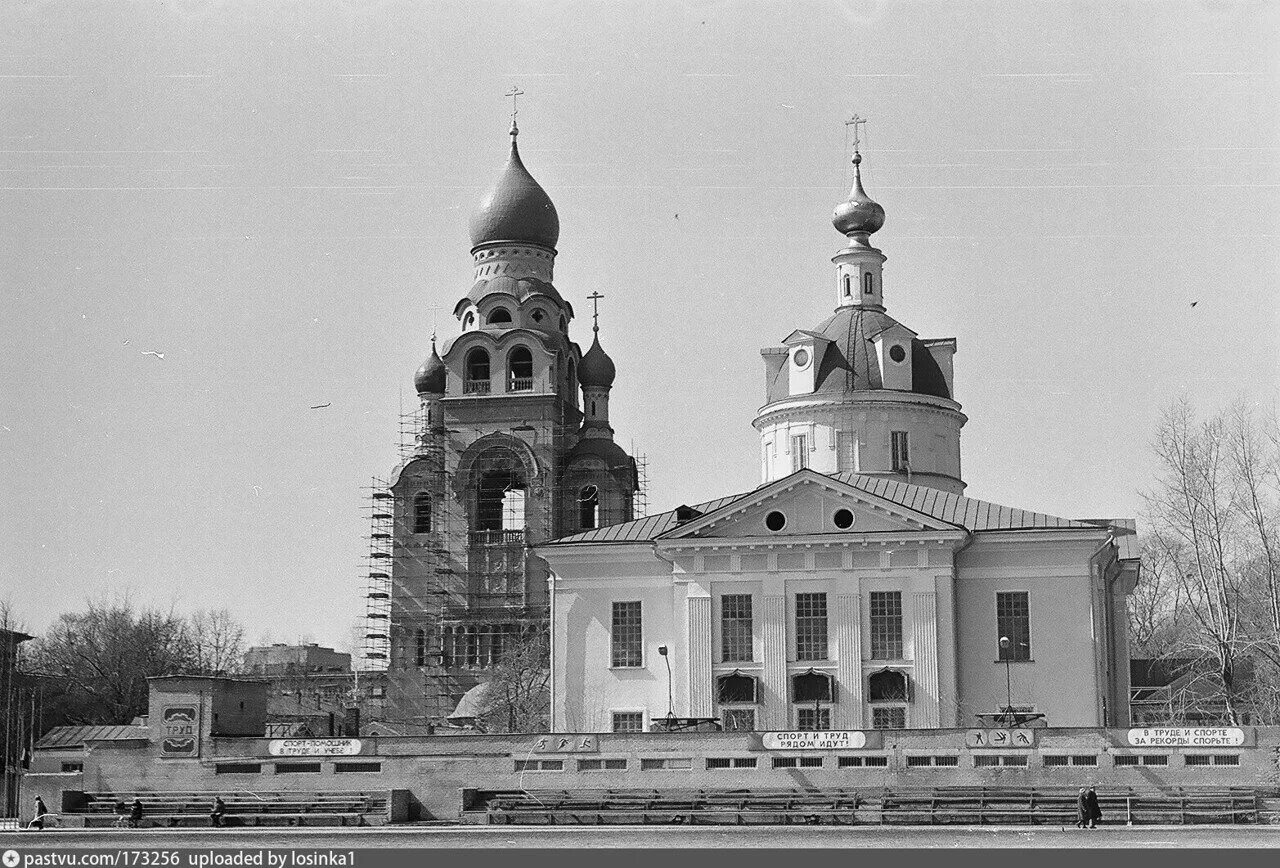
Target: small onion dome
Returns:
[[429, 379], [859, 215], [597, 368], [515, 209]]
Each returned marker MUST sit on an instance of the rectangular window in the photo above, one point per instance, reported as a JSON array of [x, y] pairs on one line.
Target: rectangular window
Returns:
[[810, 762], [893, 717], [238, 769], [628, 721], [799, 452], [886, 625], [1120, 760], [735, 627], [1155, 759], [353, 768], [846, 451], [1013, 622], [539, 765], [1060, 760], [1231, 759], [627, 642], [846, 762], [785, 762], [916, 761], [813, 719], [811, 626], [297, 768], [1084, 760], [650, 764], [72, 767], [739, 719], [596, 765], [951, 761], [990, 760], [901, 450]]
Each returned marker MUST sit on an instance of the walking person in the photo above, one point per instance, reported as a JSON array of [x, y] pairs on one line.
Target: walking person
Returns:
[[1095, 811], [37, 821], [1082, 809], [219, 810], [135, 814]]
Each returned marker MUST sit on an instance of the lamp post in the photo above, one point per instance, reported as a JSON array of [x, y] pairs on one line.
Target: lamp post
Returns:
[[671, 705], [1008, 684]]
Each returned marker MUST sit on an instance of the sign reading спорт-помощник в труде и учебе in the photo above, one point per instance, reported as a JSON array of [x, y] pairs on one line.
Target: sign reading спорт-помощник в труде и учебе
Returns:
[[813, 740], [1187, 737], [314, 747]]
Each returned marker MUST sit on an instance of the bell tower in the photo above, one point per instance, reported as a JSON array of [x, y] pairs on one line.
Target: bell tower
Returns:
[[499, 460]]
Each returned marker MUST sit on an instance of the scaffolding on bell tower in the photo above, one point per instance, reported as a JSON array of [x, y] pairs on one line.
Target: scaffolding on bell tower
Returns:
[[377, 633]]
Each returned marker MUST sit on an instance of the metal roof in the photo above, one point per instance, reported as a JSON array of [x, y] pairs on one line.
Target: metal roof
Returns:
[[61, 737], [965, 512]]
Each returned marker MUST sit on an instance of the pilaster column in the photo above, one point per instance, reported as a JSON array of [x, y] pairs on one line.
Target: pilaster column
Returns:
[[775, 663], [924, 651], [699, 607], [848, 662]]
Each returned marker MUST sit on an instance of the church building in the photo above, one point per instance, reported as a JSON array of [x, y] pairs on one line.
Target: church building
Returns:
[[857, 587], [513, 447]]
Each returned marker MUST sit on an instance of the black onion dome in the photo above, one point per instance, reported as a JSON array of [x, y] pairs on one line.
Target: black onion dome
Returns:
[[429, 379], [597, 368], [858, 214], [615, 458], [849, 365], [516, 208]]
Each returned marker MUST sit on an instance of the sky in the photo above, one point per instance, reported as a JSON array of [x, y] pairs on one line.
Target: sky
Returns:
[[216, 216]]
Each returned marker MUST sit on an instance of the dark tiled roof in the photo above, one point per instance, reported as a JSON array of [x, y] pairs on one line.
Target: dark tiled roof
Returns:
[[76, 736], [966, 512], [849, 364]]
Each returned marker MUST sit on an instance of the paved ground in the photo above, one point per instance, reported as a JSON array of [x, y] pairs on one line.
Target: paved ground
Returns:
[[1181, 837]]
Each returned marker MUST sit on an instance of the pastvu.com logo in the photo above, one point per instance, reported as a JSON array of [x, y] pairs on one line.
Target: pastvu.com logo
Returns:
[[10, 858]]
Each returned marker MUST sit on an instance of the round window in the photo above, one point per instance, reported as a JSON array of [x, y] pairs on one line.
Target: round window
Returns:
[[801, 358], [775, 521], [538, 315], [897, 353], [843, 519]]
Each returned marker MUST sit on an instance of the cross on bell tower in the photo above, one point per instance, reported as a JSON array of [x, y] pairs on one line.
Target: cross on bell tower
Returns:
[[514, 93], [595, 310]]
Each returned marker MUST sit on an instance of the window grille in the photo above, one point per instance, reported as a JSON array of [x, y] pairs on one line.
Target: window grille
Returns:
[[1158, 759], [297, 768], [1060, 760], [901, 450], [813, 719], [785, 762], [627, 640], [811, 626], [735, 627], [799, 452], [1013, 621], [649, 764], [628, 721], [810, 762], [886, 625], [917, 761], [739, 719], [894, 717], [352, 768], [846, 451], [422, 512]]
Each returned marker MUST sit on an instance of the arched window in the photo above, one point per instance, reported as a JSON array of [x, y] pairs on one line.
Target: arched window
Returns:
[[735, 688], [868, 283], [468, 321], [477, 373], [422, 512], [589, 507], [520, 370], [564, 325], [446, 647], [573, 376], [500, 316], [848, 285], [812, 686], [887, 685], [420, 647]]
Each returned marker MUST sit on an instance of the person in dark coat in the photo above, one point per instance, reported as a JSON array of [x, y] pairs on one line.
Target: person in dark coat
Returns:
[[1095, 811], [135, 814], [1082, 809], [37, 821], [219, 810]]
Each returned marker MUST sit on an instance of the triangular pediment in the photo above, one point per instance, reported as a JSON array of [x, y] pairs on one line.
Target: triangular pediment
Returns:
[[810, 504]]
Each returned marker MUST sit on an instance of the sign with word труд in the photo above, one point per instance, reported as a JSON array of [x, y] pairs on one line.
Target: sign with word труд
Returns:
[[813, 740]]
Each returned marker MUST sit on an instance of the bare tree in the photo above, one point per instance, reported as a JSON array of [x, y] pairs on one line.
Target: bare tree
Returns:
[[518, 694], [1255, 464], [217, 642]]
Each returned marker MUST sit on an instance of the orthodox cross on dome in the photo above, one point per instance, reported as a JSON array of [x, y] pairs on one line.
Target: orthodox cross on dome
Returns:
[[513, 93], [854, 122], [595, 312]]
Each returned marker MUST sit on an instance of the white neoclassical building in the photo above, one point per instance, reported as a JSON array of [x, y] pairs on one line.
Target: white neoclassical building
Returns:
[[856, 587]]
